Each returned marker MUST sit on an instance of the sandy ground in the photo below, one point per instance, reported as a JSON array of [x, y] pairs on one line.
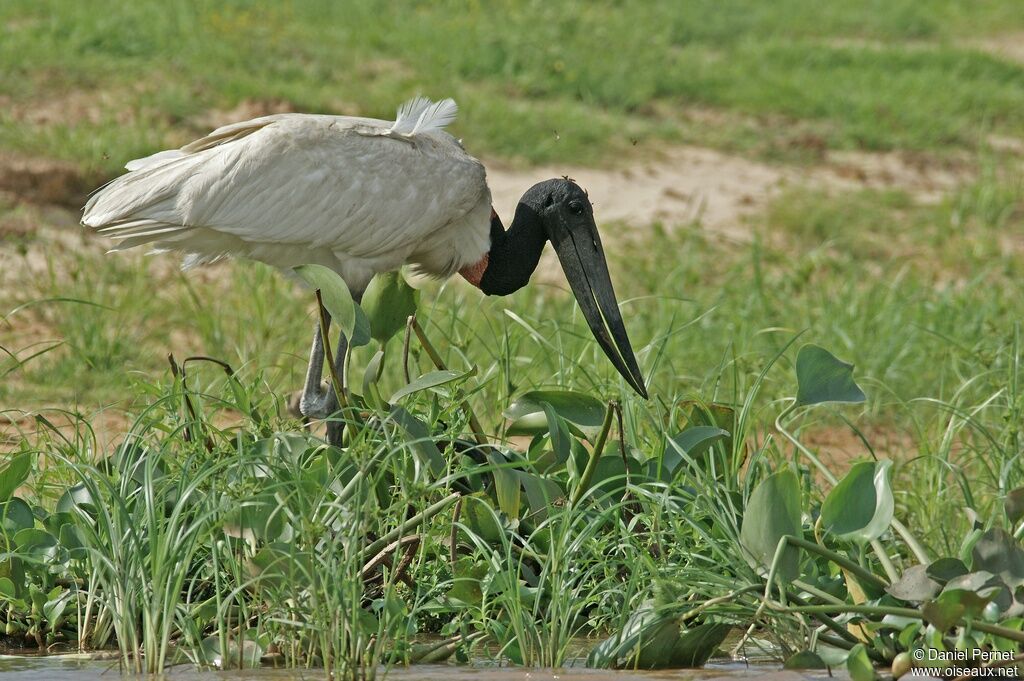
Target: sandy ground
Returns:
[[719, 191]]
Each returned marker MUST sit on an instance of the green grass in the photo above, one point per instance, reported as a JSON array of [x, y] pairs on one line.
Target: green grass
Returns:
[[140, 76]]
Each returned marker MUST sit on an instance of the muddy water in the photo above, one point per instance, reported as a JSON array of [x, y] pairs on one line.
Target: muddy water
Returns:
[[75, 668]]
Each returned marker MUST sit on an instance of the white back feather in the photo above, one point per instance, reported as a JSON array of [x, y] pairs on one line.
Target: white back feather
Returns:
[[420, 115]]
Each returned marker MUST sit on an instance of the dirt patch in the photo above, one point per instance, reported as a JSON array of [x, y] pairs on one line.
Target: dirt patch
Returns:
[[839, 447], [1008, 46], [720, 192], [685, 185], [41, 180], [72, 107]]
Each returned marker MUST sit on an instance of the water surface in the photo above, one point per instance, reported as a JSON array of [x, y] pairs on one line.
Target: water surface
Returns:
[[85, 668]]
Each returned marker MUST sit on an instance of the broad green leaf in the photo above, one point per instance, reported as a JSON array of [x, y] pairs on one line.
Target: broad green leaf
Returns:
[[14, 474], [945, 569], [980, 588], [561, 439], [506, 485], [541, 493], [574, 407], [999, 553], [261, 517], [360, 335], [335, 294], [914, 585], [946, 610], [696, 645], [467, 575], [654, 639], [281, 564], [71, 538], [645, 623], [822, 378], [610, 476], [805, 659], [15, 515], [7, 590], [858, 664], [531, 424], [692, 443], [419, 439], [371, 375], [434, 379], [35, 544], [388, 302], [481, 519], [860, 507], [772, 513]]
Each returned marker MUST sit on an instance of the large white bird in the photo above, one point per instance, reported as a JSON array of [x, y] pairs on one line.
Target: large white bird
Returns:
[[361, 196]]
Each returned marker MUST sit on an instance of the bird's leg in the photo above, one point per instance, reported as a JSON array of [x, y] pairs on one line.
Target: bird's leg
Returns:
[[319, 401], [336, 427], [315, 398]]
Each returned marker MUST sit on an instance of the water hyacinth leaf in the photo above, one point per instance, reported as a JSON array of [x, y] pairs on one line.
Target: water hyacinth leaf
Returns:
[[428, 381], [860, 507], [943, 613], [996, 551], [858, 664], [15, 515], [371, 375], [468, 575], [71, 538], [578, 408], [643, 624], [914, 585], [388, 302], [696, 645], [982, 588], [360, 335], [945, 569], [611, 475], [334, 293], [279, 564], [506, 485], [561, 440], [36, 545], [805, 659], [655, 639], [690, 443], [821, 377], [695, 441], [531, 424], [259, 517], [541, 493], [773, 512], [7, 590], [481, 519], [14, 474], [419, 439]]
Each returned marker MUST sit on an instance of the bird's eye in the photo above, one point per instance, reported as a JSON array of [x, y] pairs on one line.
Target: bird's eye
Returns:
[[576, 207]]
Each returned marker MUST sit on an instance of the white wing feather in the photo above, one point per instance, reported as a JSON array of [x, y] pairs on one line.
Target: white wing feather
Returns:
[[421, 116], [294, 188]]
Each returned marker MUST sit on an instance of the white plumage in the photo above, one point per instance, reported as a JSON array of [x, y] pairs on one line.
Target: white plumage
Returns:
[[358, 195]]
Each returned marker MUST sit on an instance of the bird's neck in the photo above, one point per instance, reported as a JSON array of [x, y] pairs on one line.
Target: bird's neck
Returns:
[[513, 256]]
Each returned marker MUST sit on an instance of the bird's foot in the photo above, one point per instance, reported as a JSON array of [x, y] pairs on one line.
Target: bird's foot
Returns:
[[313, 404]]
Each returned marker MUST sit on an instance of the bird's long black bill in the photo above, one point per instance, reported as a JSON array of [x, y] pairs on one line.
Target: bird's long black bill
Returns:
[[586, 269]]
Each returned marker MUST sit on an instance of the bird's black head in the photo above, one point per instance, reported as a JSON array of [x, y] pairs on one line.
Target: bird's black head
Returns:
[[568, 219]]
